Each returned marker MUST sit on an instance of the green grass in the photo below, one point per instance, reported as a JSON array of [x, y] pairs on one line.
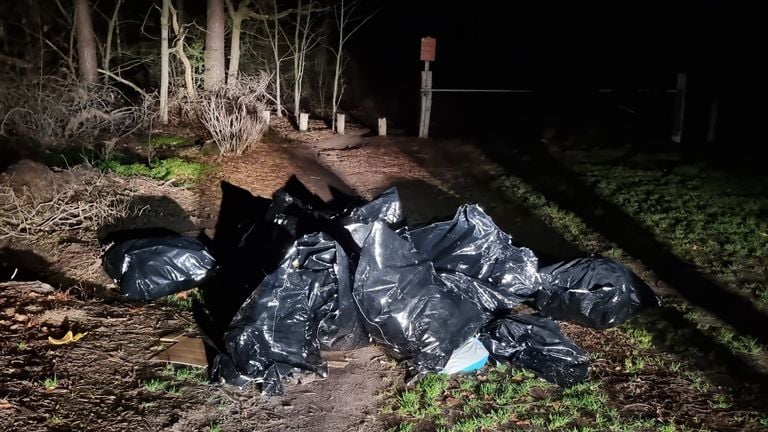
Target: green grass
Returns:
[[155, 385], [22, 345], [213, 427], [167, 141], [634, 364], [510, 399], [402, 427], [51, 383], [184, 172], [715, 221]]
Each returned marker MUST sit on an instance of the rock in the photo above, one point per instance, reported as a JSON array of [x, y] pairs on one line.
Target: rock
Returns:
[[20, 318]]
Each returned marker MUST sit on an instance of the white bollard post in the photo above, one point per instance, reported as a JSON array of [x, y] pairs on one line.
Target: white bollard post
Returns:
[[303, 122], [266, 116], [340, 123], [382, 126]]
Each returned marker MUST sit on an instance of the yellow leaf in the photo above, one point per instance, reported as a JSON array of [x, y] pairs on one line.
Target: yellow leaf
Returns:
[[78, 336], [67, 338]]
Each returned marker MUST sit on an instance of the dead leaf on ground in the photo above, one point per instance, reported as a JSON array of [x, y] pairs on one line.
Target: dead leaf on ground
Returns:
[[67, 338]]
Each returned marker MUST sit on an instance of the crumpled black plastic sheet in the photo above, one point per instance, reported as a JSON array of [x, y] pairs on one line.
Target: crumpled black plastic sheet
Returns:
[[153, 267], [596, 292], [407, 308], [536, 343], [385, 208], [277, 328], [472, 245]]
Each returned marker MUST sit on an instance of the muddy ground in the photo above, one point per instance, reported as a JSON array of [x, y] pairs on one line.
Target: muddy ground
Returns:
[[106, 381]]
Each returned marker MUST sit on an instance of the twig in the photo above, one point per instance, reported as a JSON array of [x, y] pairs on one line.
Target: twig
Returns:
[[124, 81]]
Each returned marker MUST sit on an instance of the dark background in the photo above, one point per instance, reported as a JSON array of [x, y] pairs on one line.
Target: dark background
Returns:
[[566, 50]]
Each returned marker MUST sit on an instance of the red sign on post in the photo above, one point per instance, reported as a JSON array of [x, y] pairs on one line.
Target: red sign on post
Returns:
[[428, 48]]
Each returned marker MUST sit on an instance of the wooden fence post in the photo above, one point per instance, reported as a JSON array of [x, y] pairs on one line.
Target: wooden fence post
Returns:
[[426, 101]]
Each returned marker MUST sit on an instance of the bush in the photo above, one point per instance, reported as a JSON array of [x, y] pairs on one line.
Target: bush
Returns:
[[54, 111], [232, 115]]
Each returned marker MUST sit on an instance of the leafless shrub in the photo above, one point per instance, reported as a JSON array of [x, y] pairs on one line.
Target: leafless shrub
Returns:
[[30, 215], [230, 123], [53, 111], [232, 115]]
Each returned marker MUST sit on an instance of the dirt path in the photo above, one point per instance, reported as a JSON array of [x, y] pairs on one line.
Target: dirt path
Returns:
[[434, 177]]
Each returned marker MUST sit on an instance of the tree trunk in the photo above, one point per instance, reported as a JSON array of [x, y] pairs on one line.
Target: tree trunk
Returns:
[[214, 45], [86, 43], [234, 56], [181, 32], [110, 32], [296, 63], [164, 54], [276, 51], [234, 49], [337, 73]]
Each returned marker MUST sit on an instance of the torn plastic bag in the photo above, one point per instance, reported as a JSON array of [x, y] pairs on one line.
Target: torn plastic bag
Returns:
[[596, 292], [276, 329], [472, 244], [153, 267], [536, 343], [386, 208], [469, 357], [416, 317]]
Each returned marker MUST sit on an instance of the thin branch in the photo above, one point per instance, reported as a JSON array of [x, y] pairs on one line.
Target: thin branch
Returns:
[[64, 12], [124, 81]]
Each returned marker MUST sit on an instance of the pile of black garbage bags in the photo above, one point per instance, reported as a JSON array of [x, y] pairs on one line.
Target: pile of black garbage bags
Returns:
[[287, 278]]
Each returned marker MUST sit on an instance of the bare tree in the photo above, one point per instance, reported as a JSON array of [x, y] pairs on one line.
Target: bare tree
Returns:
[[272, 27], [164, 54], [214, 45], [304, 40], [238, 16], [347, 23], [181, 31], [86, 43], [110, 32]]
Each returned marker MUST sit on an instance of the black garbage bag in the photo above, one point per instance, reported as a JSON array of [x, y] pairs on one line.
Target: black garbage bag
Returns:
[[471, 244], [535, 343], [153, 267], [386, 208], [413, 314], [276, 330], [595, 292], [342, 328]]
